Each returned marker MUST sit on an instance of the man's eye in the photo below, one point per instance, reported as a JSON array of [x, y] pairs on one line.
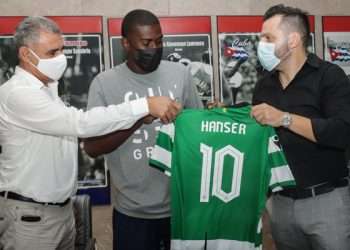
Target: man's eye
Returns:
[[146, 44]]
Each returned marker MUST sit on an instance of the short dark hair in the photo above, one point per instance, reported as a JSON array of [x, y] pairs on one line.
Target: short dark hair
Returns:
[[295, 17], [137, 17]]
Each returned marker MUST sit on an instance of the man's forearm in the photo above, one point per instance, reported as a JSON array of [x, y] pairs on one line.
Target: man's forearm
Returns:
[[96, 146], [302, 126]]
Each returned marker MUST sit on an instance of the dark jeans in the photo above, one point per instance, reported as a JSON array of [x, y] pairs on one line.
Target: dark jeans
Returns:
[[131, 233]]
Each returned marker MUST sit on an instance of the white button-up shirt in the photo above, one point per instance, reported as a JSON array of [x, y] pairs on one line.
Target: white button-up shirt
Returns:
[[38, 136]]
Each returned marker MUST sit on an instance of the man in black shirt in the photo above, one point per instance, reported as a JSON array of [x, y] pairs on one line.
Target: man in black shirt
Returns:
[[308, 101]]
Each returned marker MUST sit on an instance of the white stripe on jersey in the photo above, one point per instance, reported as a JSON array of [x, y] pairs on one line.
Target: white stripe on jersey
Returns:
[[259, 229], [277, 189], [279, 175], [168, 129], [213, 245], [161, 155]]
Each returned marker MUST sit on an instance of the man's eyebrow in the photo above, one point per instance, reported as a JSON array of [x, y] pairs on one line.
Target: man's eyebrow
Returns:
[[150, 39], [55, 50]]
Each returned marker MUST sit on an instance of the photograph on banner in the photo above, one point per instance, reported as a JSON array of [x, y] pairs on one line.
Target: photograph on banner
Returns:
[[239, 65], [337, 49], [192, 50], [84, 62], [8, 58]]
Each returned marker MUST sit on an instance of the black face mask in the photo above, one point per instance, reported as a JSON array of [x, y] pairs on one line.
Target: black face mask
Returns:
[[148, 59]]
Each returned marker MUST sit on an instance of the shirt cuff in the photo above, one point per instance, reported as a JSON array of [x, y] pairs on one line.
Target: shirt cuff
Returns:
[[139, 107]]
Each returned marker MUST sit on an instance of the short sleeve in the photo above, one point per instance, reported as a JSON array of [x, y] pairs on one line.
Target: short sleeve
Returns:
[[96, 96], [161, 156], [280, 174]]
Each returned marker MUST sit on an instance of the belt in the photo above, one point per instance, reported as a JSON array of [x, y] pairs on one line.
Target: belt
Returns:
[[18, 197], [313, 191]]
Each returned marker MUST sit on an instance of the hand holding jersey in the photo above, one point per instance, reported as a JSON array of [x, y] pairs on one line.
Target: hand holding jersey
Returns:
[[267, 115], [163, 107]]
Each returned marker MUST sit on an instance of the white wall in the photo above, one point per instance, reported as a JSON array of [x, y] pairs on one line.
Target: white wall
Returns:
[[166, 7]]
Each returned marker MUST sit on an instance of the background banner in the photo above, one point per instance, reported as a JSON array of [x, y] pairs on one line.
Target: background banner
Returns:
[[336, 38], [84, 50], [8, 58]]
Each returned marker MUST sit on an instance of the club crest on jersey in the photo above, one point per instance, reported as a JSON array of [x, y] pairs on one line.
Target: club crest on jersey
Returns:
[[274, 145]]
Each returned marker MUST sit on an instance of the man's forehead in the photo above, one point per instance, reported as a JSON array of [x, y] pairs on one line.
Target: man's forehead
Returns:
[[49, 40], [145, 30], [273, 22], [45, 35], [272, 26]]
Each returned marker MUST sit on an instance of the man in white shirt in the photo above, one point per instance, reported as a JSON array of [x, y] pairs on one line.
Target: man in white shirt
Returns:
[[38, 137]]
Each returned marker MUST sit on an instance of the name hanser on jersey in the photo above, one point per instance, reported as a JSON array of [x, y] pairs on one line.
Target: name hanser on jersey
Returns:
[[223, 127], [222, 165]]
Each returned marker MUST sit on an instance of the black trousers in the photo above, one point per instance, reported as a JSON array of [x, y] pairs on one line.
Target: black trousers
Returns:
[[130, 233]]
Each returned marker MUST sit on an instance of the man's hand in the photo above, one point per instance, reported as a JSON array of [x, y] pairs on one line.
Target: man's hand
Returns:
[[164, 108], [267, 115]]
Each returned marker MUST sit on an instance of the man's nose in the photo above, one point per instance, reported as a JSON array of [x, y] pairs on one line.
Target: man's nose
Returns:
[[153, 45]]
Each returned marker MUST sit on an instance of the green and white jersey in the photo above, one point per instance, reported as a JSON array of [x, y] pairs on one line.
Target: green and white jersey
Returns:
[[222, 164]]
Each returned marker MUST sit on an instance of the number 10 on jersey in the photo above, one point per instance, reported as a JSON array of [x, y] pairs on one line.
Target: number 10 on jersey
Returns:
[[219, 158]]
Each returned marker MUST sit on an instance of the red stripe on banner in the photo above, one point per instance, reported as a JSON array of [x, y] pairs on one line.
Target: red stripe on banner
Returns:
[[114, 26], [8, 24], [247, 23], [239, 23], [336, 23], [184, 25], [78, 24], [170, 25], [312, 23]]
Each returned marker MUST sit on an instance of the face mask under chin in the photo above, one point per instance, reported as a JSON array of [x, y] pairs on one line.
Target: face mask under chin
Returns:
[[148, 59]]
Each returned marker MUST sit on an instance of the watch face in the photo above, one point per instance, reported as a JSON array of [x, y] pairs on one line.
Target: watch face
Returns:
[[286, 120]]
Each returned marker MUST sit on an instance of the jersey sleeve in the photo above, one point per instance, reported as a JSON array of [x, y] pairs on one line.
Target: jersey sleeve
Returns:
[[280, 174], [161, 156]]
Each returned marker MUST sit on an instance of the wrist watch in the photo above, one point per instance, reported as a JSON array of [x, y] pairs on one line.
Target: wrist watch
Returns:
[[286, 120]]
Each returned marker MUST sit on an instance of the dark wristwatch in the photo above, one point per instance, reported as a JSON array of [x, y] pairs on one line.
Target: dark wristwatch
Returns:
[[286, 120]]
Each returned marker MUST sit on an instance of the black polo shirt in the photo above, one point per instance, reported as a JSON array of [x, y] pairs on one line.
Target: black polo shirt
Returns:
[[320, 91]]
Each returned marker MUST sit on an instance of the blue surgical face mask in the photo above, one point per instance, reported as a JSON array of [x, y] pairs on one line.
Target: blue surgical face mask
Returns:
[[267, 56]]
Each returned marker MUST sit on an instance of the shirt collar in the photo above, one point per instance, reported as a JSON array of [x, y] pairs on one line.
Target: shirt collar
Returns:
[[313, 60], [32, 80]]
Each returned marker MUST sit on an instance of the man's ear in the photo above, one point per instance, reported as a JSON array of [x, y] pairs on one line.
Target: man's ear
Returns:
[[25, 55], [294, 40], [125, 43]]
